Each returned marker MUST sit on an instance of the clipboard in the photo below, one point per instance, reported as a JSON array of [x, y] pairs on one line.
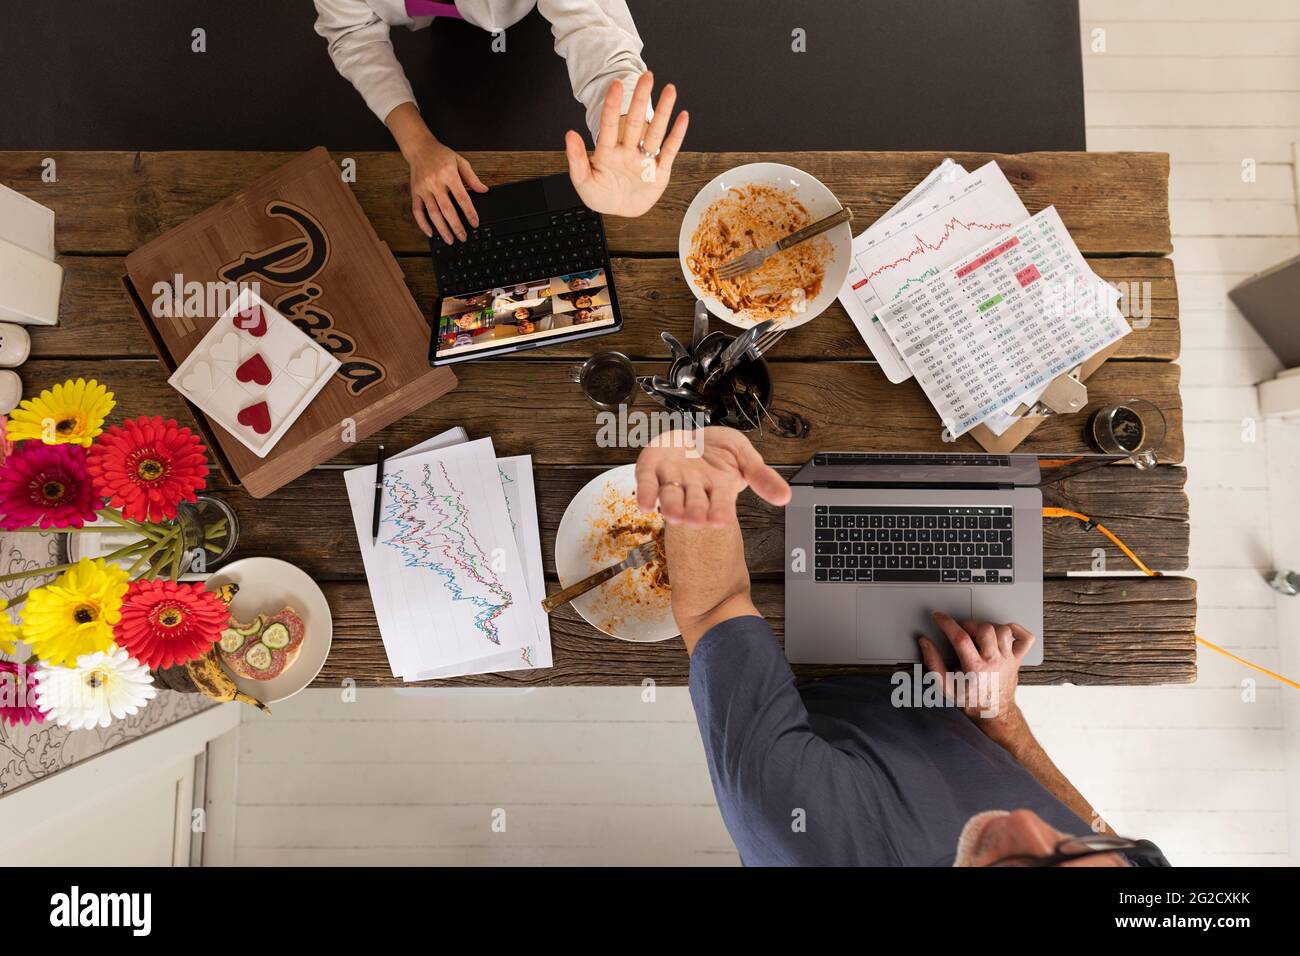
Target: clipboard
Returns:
[[1058, 398]]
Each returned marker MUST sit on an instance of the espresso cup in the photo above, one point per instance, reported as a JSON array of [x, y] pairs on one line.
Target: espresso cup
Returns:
[[608, 379]]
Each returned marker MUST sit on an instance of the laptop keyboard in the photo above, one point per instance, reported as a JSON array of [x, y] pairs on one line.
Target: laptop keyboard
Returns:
[[521, 250], [890, 544]]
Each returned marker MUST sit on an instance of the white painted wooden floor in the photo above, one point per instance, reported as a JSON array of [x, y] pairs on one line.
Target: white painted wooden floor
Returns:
[[600, 776]]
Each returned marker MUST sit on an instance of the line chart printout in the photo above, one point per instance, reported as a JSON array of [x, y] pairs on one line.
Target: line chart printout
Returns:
[[1003, 322], [449, 587], [949, 215], [516, 475]]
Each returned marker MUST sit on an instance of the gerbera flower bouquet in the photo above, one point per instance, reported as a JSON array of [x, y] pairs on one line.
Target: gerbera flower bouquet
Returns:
[[100, 626]]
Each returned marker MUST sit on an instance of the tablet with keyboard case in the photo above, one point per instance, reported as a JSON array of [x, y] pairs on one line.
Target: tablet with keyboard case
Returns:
[[536, 271]]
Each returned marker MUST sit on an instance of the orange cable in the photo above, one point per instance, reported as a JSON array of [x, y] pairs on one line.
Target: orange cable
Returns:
[[1087, 521]]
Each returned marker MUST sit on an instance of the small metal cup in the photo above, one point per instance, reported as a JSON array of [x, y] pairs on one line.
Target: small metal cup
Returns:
[[607, 379]]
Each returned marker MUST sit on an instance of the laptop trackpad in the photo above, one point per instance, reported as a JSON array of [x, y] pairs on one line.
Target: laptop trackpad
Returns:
[[891, 619]]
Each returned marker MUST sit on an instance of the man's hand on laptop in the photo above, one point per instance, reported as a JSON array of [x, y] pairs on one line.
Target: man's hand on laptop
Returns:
[[989, 657], [633, 161], [695, 476]]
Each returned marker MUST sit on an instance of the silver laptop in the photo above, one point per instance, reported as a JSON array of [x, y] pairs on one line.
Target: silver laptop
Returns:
[[876, 542]]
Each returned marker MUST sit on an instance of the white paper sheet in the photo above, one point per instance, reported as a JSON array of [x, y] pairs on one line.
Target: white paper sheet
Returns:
[[448, 587], [521, 500], [1000, 324], [950, 214]]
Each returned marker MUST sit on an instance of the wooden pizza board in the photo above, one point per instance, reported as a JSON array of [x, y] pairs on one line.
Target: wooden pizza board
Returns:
[[300, 235]]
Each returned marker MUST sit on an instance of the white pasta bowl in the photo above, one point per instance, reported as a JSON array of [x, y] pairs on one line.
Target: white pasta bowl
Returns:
[[815, 197]]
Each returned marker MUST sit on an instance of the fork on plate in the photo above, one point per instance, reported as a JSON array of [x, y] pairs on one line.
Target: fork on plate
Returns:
[[747, 263]]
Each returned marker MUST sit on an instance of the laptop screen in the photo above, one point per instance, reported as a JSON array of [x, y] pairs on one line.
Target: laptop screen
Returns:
[[527, 311], [946, 468]]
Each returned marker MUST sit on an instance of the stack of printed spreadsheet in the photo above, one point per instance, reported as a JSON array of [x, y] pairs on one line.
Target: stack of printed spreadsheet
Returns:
[[984, 305]]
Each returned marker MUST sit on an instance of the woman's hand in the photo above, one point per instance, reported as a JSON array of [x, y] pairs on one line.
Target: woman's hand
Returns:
[[989, 657], [633, 162], [439, 177], [696, 476]]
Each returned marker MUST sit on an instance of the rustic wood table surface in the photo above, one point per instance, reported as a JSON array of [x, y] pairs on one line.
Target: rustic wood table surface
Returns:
[[1121, 630]]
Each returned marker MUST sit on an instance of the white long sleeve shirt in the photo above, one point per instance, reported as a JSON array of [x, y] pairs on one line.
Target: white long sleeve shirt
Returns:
[[597, 39]]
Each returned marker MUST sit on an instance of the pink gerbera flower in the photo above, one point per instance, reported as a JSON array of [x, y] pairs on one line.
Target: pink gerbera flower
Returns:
[[17, 694], [46, 485]]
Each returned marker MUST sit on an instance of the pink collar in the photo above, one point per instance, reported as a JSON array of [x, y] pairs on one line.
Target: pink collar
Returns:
[[427, 8]]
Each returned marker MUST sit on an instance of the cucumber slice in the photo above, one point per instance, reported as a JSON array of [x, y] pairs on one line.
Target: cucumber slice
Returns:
[[276, 636], [231, 640], [258, 657], [248, 630]]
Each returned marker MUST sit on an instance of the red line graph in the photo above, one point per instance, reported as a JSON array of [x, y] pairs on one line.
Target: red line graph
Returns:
[[922, 246]]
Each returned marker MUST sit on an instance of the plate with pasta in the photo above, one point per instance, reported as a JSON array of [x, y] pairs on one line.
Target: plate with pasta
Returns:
[[750, 207], [600, 526]]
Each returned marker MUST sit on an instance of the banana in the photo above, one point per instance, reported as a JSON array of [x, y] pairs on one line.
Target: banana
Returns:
[[211, 679]]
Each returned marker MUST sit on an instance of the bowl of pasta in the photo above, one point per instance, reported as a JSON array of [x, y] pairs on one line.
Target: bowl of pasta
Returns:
[[750, 207]]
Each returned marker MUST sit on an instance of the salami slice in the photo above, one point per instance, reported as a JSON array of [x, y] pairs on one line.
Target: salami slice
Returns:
[[272, 643]]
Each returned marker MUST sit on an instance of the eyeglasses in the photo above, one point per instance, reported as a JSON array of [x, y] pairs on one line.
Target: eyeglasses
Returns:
[[1141, 852]]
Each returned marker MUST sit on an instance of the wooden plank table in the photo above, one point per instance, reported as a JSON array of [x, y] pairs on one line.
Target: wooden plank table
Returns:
[[1122, 629]]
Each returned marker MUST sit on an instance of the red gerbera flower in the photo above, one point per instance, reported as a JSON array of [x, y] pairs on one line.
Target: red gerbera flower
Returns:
[[46, 485], [147, 467], [17, 700], [169, 622]]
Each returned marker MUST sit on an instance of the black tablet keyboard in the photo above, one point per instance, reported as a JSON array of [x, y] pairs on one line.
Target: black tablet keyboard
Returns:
[[874, 545], [521, 250]]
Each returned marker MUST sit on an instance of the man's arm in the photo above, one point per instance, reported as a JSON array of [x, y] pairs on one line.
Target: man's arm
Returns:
[[1012, 732], [693, 479], [992, 653], [710, 582], [769, 767]]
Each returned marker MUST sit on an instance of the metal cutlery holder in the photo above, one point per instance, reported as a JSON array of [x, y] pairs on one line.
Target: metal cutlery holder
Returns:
[[740, 397]]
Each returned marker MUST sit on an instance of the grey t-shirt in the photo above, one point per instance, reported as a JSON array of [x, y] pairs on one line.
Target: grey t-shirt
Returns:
[[832, 773]]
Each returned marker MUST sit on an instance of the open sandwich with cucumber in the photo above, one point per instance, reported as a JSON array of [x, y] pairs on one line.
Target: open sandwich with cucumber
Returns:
[[263, 648]]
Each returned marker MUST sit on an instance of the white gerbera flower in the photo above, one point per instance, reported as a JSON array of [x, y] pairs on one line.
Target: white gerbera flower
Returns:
[[103, 687]]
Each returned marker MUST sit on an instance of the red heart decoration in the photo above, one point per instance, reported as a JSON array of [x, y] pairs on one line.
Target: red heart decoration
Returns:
[[252, 321], [255, 370], [257, 417]]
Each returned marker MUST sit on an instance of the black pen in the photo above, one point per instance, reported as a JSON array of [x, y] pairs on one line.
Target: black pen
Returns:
[[379, 495]]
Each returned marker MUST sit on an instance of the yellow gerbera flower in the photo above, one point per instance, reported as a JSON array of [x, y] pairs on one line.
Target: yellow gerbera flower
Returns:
[[75, 614], [71, 413], [8, 630]]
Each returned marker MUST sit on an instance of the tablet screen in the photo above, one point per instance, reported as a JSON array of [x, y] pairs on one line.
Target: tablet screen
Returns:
[[527, 311]]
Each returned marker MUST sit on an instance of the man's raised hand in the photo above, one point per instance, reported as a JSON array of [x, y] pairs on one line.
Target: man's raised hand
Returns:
[[694, 477]]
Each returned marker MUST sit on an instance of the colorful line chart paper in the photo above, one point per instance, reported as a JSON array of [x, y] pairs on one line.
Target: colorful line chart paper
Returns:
[[449, 586], [1004, 321], [517, 481], [521, 502], [950, 214]]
